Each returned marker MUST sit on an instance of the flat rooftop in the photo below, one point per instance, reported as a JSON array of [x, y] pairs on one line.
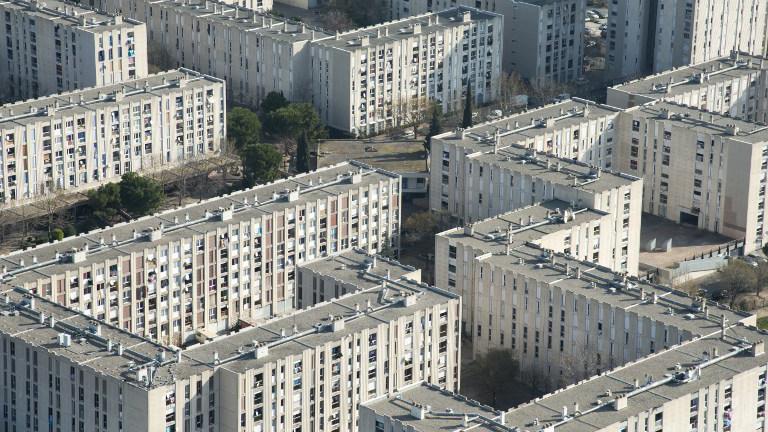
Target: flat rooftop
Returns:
[[279, 338], [598, 283], [446, 410], [262, 23], [556, 170], [519, 128], [69, 15], [396, 156], [527, 224], [685, 79], [20, 317], [704, 121], [314, 326], [357, 267], [85, 101], [394, 31], [122, 239], [646, 383]]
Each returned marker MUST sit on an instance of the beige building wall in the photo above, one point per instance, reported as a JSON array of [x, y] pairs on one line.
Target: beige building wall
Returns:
[[82, 139], [255, 53], [650, 37], [384, 76], [209, 270], [54, 46], [701, 169], [733, 85], [587, 236], [543, 40]]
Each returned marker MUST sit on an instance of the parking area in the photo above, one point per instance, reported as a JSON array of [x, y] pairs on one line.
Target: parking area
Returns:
[[687, 242]]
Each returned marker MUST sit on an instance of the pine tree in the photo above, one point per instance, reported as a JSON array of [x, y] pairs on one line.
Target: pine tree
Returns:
[[302, 153], [467, 121], [434, 129]]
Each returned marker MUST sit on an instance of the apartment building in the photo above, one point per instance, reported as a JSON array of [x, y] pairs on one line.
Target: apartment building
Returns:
[[577, 130], [306, 371], [425, 407], [521, 160], [543, 39], [585, 234], [566, 319], [337, 275], [369, 80], [703, 385], [649, 37], [700, 168], [733, 85], [54, 46], [254, 52], [78, 140], [200, 270]]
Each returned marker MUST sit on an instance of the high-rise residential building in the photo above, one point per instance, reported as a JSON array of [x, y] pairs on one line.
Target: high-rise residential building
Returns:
[[713, 383], [203, 269], [306, 371], [255, 52], [54, 46], [646, 37], [588, 235], [373, 79], [78, 140], [700, 168], [543, 39], [512, 163], [733, 85], [566, 319], [425, 407], [337, 275]]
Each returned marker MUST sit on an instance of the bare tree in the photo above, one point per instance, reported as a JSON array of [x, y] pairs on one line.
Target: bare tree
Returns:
[[336, 20], [580, 363], [512, 85], [51, 201], [545, 92], [193, 166], [412, 112], [159, 59]]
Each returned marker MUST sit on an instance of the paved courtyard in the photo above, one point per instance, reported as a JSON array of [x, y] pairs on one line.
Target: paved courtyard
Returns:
[[687, 241]]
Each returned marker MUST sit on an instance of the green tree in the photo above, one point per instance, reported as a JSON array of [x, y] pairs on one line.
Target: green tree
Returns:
[[139, 195], [104, 204], [738, 278], [496, 371], [761, 277], [291, 120], [57, 234], [467, 120], [243, 127], [273, 102], [261, 164], [302, 154]]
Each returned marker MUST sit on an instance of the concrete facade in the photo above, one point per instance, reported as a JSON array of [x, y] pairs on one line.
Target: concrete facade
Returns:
[[313, 367], [255, 52], [733, 85], [543, 39], [55, 46], [653, 36], [700, 168], [206, 268], [373, 79], [702, 385], [79, 140]]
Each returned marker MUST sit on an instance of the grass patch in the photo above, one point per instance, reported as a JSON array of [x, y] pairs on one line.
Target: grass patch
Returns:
[[762, 323]]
